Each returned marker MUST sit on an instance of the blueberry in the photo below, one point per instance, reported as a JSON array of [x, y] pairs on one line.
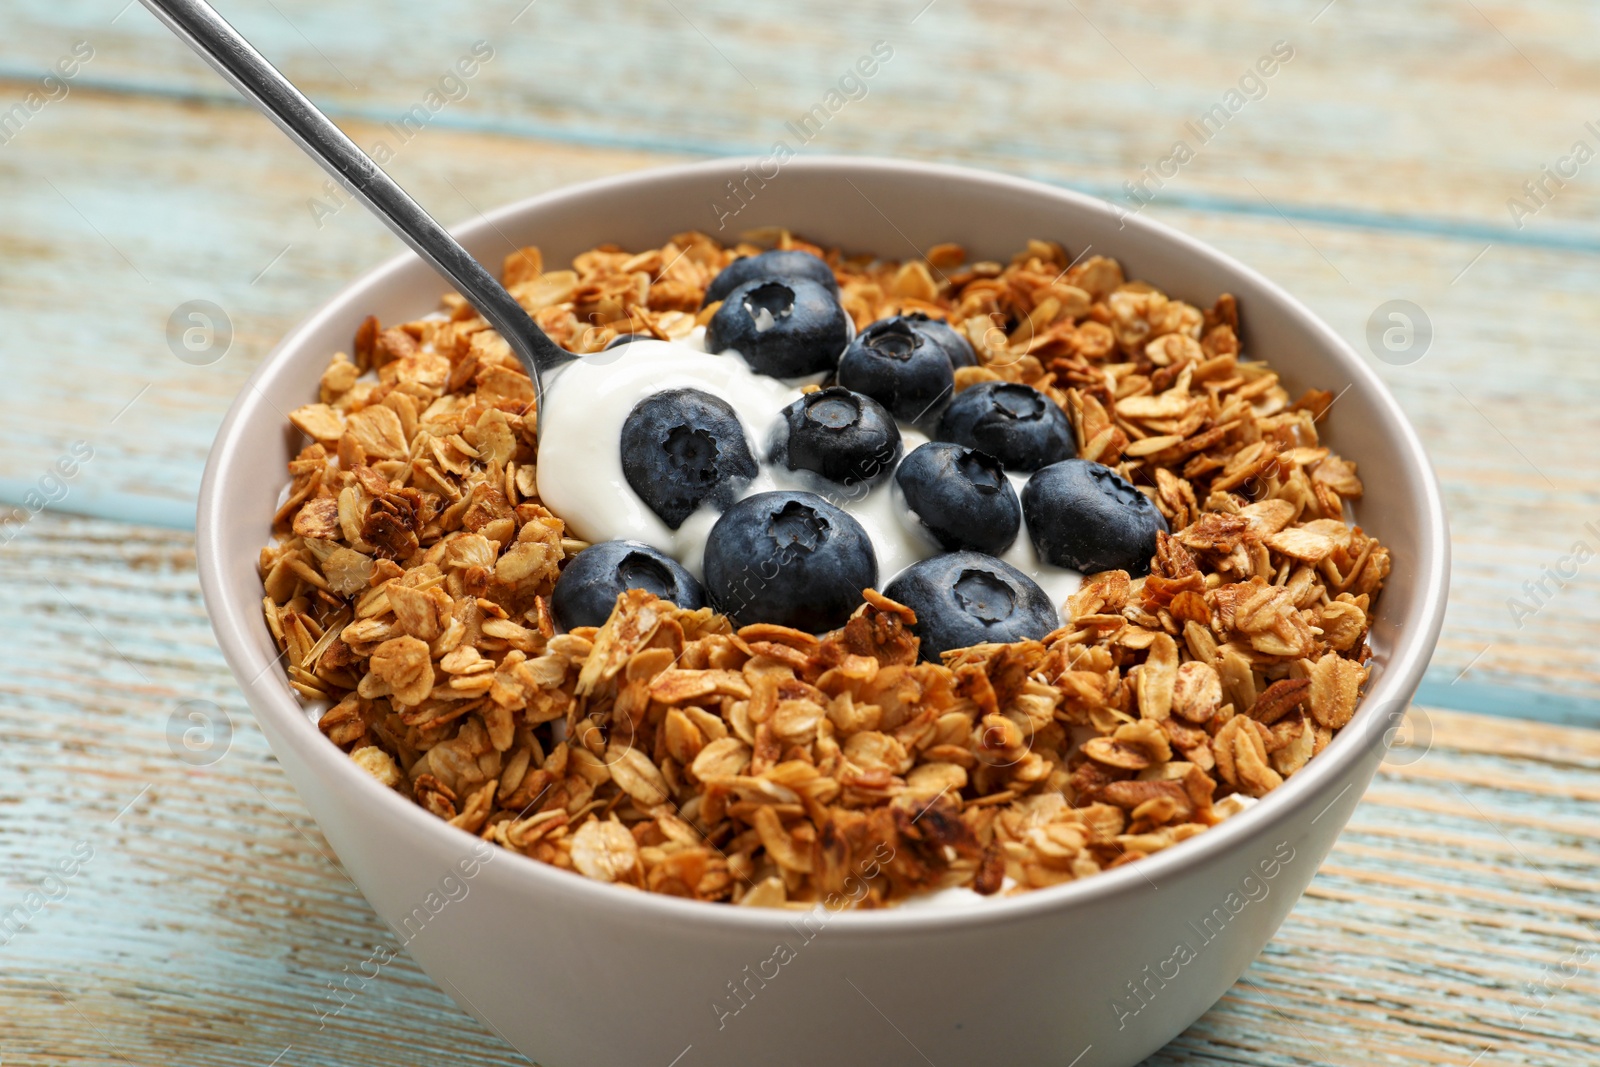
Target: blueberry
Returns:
[[783, 328], [843, 436], [904, 364], [1088, 517], [788, 558], [961, 496], [967, 598], [1016, 424], [779, 264], [682, 449], [954, 345], [589, 586]]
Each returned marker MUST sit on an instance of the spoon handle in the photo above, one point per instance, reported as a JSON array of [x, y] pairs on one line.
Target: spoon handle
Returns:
[[209, 34]]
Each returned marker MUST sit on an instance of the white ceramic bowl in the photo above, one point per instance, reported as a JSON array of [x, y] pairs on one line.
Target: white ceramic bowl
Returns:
[[1099, 973]]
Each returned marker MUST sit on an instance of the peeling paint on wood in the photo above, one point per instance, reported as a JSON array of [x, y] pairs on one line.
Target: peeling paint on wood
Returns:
[[1377, 165], [1507, 356], [212, 915]]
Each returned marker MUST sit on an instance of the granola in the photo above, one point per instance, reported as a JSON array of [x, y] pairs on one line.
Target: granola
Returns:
[[409, 582]]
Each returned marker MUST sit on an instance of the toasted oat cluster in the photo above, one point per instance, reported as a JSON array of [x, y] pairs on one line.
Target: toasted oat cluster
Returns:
[[409, 582]]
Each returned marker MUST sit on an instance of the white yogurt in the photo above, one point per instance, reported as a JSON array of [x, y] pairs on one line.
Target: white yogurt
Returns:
[[1057, 582], [580, 459], [580, 436], [952, 899]]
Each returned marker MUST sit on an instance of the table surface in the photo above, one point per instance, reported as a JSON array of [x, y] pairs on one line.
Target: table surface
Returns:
[[1457, 921]]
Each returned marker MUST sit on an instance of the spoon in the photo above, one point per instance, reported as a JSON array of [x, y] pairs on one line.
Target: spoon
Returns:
[[209, 34]]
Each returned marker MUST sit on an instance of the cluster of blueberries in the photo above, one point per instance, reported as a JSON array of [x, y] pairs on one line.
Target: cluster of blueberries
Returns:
[[793, 558]]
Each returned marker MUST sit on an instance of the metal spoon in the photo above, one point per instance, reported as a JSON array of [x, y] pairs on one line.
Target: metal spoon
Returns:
[[209, 34]]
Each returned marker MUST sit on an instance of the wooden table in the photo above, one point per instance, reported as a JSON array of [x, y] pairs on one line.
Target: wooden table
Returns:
[[1457, 922]]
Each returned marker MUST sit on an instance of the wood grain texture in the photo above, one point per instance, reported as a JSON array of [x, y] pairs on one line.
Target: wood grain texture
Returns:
[[1503, 397], [1376, 166], [1453, 105], [1456, 922], [92, 269]]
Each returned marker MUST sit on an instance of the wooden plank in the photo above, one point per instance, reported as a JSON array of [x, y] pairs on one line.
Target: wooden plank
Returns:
[[180, 225], [1505, 375], [209, 921], [1095, 89], [1323, 183], [1446, 928]]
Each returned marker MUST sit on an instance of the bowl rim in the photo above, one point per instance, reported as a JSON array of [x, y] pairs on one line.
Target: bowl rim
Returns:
[[1394, 685]]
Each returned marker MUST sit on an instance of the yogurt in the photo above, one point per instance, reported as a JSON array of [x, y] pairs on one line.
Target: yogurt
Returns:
[[952, 899], [580, 478]]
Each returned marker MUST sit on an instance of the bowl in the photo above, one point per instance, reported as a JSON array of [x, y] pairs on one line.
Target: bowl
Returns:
[[1096, 973]]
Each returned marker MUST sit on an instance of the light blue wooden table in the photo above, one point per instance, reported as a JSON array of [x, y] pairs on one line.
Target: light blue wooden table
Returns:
[[179, 912]]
